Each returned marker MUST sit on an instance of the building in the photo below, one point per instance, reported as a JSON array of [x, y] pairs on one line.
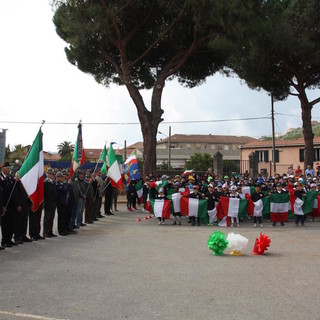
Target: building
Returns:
[[183, 146], [287, 153]]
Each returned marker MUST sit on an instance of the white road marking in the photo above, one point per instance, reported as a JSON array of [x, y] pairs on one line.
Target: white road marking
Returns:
[[25, 315]]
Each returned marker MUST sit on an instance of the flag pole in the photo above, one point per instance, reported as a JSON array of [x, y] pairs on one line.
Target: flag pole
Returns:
[[15, 183]]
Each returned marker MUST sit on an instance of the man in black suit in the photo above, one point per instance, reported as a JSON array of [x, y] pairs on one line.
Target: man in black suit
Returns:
[[50, 203], [10, 205]]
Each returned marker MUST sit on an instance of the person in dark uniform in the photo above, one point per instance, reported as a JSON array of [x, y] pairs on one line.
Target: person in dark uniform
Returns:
[[107, 197], [21, 223], [131, 196], [2, 209], [82, 187], [10, 206], [90, 199], [62, 202], [50, 204], [70, 201], [98, 194]]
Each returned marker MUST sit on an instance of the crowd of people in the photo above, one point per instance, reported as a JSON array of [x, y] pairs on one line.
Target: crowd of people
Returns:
[[209, 186], [78, 200]]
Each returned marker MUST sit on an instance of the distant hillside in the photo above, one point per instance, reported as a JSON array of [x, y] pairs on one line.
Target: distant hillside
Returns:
[[296, 133]]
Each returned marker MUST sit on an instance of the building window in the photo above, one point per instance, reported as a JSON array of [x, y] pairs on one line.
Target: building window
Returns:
[[263, 155], [198, 146], [316, 156], [188, 145], [213, 146], [276, 155], [226, 147], [301, 155]]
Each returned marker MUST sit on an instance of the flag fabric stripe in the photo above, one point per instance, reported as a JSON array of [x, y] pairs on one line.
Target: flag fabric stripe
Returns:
[[193, 207], [278, 207], [175, 198], [31, 173], [234, 204], [212, 215], [258, 207], [297, 207], [139, 189]]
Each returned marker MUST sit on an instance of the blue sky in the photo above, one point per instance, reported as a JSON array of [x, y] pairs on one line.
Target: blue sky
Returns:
[[38, 83]]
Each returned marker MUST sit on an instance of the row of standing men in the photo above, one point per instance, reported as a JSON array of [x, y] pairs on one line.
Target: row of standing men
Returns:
[[77, 201]]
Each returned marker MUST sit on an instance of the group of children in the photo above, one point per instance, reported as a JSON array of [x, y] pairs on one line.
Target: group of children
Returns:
[[211, 189]]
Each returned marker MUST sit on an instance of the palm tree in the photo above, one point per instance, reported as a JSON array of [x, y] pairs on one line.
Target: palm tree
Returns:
[[19, 152], [65, 150]]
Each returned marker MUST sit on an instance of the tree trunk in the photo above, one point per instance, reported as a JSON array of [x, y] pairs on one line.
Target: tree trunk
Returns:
[[306, 108], [149, 121]]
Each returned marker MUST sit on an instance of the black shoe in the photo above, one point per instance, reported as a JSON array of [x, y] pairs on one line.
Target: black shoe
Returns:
[[96, 219], [63, 234], [72, 232], [40, 237], [100, 216], [34, 238], [76, 227], [82, 225], [48, 235], [6, 245], [2, 248], [13, 243], [89, 222], [26, 239], [18, 241], [53, 235]]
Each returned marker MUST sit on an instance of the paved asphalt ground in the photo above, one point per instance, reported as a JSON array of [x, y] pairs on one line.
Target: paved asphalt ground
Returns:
[[118, 268]]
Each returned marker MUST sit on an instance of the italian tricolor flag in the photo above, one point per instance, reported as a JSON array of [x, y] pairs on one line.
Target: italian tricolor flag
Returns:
[[114, 170], [139, 189], [79, 156], [31, 173], [194, 208], [161, 208], [103, 158], [304, 206], [231, 207], [279, 205], [259, 208]]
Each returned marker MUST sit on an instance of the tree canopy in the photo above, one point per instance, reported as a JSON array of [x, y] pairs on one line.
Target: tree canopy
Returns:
[[65, 150], [141, 44], [279, 51], [199, 162]]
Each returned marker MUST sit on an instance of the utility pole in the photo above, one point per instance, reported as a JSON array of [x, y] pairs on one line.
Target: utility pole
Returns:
[[273, 137], [125, 150], [169, 148]]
